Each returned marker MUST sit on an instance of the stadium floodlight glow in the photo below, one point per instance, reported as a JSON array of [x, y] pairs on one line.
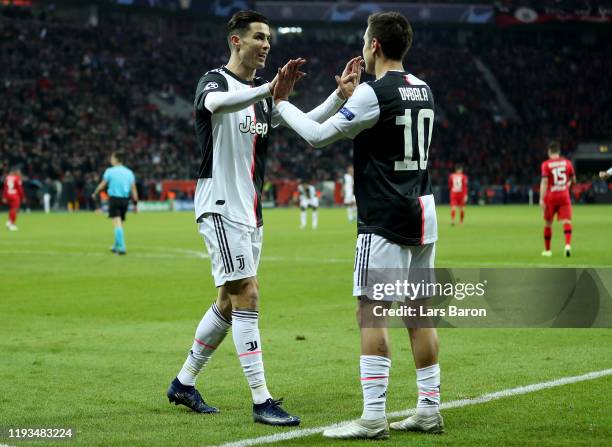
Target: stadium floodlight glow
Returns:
[[290, 30]]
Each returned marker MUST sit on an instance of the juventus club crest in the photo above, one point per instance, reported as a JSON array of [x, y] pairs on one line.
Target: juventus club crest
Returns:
[[252, 345], [240, 259], [265, 106]]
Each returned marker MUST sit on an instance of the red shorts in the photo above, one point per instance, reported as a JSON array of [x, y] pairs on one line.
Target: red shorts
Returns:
[[457, 199], [562, 207], [13, 202]]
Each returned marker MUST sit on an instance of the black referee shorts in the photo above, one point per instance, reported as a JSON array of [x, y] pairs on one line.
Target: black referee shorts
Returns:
[[118, 206]]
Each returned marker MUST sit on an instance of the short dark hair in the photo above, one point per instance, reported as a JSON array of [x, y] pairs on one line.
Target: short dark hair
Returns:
[[240, 22], [393, 31], [554, 147], [118, 156]]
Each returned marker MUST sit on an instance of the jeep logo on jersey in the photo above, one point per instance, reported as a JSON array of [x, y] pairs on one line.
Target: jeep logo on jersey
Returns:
[[251, 127], [211, 86]]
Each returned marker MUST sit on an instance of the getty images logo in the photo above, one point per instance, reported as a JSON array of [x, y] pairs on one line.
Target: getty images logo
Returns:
[[249, 126]]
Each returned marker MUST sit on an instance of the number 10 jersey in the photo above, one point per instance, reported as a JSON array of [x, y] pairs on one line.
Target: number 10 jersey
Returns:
[[391, 121]]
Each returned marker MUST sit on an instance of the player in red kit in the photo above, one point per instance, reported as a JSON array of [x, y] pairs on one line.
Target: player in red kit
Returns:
[[12, 194], [558, 175], [457, 185]]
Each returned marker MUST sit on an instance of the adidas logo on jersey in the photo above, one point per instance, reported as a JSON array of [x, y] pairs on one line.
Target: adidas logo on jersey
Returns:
[[251, 127]]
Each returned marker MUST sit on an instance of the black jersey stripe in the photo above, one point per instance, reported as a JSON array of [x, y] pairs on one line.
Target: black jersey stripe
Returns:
[[364, 242], [358, 262], [229, 253], [367, 263], [224, 255], [221, 249]]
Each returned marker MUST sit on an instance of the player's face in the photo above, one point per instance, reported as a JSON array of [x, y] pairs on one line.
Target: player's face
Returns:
[[368, 53], [255, 46]]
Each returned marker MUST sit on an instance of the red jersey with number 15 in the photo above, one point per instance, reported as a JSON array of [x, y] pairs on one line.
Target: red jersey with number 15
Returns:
[[559, 172], [12, 188]]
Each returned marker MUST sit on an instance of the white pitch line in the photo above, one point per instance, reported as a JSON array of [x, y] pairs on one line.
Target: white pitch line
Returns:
[[181, 253], [445, 406]]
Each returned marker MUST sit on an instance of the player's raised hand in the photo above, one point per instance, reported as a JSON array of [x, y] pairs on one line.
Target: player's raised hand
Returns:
[[286, 79], [603, 175], [299, 74], [351, 76]]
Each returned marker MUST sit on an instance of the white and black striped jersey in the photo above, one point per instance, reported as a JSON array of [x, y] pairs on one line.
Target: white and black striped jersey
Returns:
[[233, 148], [391, 122], [307, 191], [348, 187], [392, 184]]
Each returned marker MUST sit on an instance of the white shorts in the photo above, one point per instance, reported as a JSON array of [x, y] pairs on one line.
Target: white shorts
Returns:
[[380, 261], [312, 203], [349, 200], [234, 248]]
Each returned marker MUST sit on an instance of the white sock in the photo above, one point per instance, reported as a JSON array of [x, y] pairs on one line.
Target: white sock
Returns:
[[428, 384], [349, 211], [210, 333], [248, 345], [315, 219], [374, 381], [303, 218]]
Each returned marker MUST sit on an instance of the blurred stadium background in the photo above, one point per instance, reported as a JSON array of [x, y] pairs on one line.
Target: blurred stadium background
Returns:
[[83, 78], [90, 340]]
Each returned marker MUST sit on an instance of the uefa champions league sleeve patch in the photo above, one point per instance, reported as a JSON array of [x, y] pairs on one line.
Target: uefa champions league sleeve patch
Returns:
[[347, 113], [211, 86]]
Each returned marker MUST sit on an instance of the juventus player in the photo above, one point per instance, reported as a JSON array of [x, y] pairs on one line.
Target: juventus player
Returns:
[[349, 195], [234, 113], [557, 178], [604, 175], [391, 121], [308, 199], [457, 186]]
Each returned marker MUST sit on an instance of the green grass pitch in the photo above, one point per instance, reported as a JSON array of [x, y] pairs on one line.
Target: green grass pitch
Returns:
[[91, 340]]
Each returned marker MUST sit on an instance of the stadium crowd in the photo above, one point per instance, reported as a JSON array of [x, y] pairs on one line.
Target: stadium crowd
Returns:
[[74, 93]]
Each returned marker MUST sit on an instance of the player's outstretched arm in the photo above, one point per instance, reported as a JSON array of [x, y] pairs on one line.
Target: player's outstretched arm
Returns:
[[229, 102], [213, 95], [360, 112], [347, 83]]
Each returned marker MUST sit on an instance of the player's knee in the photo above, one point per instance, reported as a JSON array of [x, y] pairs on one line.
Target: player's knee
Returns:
[[224, 303], [244, 293], [425, 335]]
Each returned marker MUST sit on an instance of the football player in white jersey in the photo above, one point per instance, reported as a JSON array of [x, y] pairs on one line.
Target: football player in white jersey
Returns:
[[604, 175], [308, 199], [390, 121], [234, 114], [349, 194]]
